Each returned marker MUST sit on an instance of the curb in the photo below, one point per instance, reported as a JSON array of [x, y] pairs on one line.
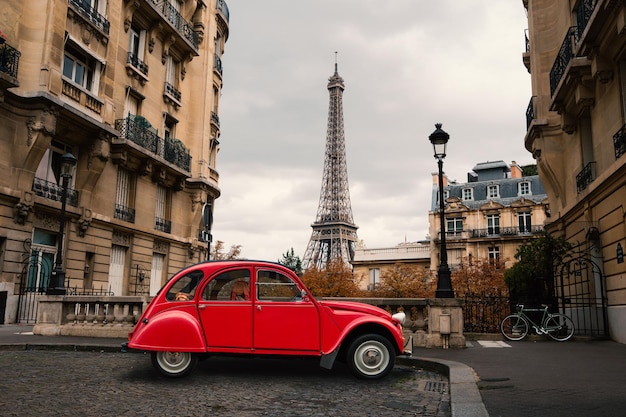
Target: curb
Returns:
[[465, 399]]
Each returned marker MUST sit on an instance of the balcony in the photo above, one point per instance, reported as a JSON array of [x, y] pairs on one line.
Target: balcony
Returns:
[[217, 64], [139, 131], [586, 176], [172, 95], [179, 26], [163, 225], [81, 96], [124, 213], [530, 111], [563, 59], [619, 142], [53, 191], [526, 54], [85, 10], [506, 231], [137, 64], [9, 60]]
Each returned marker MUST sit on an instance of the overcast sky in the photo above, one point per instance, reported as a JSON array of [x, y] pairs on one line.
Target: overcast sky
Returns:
[[406, 64]]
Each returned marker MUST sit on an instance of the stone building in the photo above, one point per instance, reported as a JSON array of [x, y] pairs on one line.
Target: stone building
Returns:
[[576, 119], [130, 89], [488, 217]]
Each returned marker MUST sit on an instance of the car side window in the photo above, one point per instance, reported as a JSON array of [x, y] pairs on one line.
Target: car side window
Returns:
[[229, 286], [274, 286], [185, 287]]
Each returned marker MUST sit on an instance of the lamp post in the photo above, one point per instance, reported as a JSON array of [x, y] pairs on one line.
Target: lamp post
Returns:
[[207, 219], [439, 139], [57, 276]]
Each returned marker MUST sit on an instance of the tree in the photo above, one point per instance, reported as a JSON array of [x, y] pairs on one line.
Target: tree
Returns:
[[404, 281], [529, 170], [335, 280], [291, 261], [531, 279], [479, 276], [218, 252]]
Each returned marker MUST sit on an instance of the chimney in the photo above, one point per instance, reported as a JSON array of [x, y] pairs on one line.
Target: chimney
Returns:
[[516, 170]]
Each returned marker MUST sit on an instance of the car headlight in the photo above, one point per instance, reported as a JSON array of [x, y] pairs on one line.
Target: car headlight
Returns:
[[400, 317]]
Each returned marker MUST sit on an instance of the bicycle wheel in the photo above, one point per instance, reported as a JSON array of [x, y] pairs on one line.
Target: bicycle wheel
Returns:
[[514, 327], [559, 327]]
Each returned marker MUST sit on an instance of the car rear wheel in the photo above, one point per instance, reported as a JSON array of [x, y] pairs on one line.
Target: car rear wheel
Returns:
[[371, 356], [174, 364]]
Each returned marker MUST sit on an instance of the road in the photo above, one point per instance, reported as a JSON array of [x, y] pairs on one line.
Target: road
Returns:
[[64, 383]]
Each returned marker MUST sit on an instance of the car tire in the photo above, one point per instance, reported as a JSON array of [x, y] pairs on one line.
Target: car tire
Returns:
[[371, 356], [174, 364]]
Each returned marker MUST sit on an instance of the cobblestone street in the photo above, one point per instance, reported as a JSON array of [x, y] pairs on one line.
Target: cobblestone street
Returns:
[[61, 383]]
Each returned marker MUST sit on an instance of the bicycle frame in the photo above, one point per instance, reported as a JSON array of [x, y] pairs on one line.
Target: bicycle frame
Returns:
[[556, 325], [539, 328]]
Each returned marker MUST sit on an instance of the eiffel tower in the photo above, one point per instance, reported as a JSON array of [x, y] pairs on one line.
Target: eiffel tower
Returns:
[[334, 232]]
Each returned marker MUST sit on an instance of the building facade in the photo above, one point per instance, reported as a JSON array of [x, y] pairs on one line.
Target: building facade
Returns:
[[576, 118], [131, 89], [372, 264], [490, 216]]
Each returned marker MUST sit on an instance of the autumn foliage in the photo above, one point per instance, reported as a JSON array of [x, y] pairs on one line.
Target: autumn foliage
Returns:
[[404, 281], [335, 280], [479, 276]]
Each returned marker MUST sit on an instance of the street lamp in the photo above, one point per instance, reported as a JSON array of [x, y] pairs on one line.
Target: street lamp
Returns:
[[439, 139], [57, 277], [207, 219]]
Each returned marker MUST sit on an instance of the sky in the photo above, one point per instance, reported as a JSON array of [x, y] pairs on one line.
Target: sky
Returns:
[[406, 65]]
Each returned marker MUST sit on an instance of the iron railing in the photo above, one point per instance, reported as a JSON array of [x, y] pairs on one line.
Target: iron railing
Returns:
[[619, 142], [181, 25], [563, 58], [586, 176], [54, 191], [484, 313], [138, 130], [583, 14], [91, 14], [9, 60], [176, 153], [172, 91], [137, 63], [217, 64], [506, 231], [530, 111], [163, 225], [124, 213], [215, 119]]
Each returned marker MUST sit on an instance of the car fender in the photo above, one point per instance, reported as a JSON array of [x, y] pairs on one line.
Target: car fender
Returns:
[[370, 323], [170, 330]]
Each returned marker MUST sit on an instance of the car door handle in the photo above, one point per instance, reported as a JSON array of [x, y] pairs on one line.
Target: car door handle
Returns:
[[258, 308]]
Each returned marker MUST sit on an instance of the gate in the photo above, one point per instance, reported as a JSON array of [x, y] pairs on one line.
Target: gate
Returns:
[[34, 278], [580, 293]]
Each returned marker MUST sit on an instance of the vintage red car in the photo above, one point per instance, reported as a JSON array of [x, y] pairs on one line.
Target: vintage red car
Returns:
[[261, 308]]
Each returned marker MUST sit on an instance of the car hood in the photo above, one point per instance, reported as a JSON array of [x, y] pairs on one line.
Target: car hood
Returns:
[[356, 307]]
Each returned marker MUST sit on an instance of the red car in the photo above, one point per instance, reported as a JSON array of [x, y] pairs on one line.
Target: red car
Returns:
[[261, 308]]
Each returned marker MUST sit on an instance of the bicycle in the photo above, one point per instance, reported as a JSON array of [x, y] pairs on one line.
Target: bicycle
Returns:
[[556, 325]]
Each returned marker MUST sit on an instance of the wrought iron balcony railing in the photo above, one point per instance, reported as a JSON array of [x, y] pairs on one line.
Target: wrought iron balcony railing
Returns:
[[583, 14], [163, 225], [506, 231], [172, 92], [137, 63], [54, 191], [181, 25], [563, 58], [91, 14], [530, 112], [217, 64], [138, 130], [215, 119], [9, 60], [124, 213], [586, 176], [176, 153], [619, 142]]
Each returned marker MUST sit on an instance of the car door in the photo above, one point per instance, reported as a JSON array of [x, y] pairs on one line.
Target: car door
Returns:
[[225, 310], [283, 319]]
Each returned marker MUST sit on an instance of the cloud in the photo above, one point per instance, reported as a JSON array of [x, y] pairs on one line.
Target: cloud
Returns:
[[406, 66]]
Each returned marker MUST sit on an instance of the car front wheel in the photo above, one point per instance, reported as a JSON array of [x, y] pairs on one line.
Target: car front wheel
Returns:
[[174, 364], [371, 356]]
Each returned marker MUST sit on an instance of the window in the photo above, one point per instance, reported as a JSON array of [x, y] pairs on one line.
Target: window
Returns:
[[171, 80], [524, 188], [454, 226], [274, 286], [41, 260], [374, 278], [468, 194], [136, 49], [78, 69], [116, 269], [493, 191], [494, 253], [161, 212], [124, 196], [493, 224], [48, 182], [229, 286], [187, 285], [523, 219]]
